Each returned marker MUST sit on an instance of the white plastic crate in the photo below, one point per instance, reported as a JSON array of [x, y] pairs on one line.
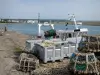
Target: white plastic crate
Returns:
[[30, 45], [56, 50], [45, 53], [50, 53], [68, 49]]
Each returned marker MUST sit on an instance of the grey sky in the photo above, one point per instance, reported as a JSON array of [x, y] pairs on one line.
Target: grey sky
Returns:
[[50, 9]]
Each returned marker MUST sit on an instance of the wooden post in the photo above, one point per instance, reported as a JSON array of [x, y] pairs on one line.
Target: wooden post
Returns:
[[5, 29]]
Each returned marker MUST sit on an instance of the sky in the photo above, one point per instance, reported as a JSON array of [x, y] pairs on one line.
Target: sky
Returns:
[[50, 9]]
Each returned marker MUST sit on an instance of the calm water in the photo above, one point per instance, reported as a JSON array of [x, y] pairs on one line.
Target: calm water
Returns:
[[32, 29]]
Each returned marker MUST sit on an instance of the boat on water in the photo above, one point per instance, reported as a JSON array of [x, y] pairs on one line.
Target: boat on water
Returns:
[[55, 44], [79, 23], [73, 35]]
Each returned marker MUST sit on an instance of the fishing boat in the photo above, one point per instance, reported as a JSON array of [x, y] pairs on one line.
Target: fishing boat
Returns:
[[55, 44], [73, 35]]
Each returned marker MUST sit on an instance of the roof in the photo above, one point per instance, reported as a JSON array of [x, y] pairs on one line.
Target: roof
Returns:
[[71, 31]]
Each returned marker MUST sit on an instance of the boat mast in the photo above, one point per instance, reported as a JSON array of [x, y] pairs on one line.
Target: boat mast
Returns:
[[38, 17], [39, 25]]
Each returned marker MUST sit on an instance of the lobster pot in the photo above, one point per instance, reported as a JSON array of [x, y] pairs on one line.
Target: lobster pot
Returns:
[[85, 62], [68, 49], [30, 45], [28, 62]]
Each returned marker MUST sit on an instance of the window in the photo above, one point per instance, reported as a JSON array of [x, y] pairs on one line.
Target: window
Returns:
[[69, 35]]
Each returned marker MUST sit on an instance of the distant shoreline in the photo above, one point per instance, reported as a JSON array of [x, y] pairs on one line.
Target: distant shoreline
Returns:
[[12, 23], [90, 23]]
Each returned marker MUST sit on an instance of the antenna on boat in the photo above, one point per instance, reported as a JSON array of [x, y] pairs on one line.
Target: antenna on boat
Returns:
[[73, 17]]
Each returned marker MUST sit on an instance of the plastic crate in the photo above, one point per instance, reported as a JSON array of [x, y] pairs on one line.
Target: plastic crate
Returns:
[[50, 53], [30, 45], [68, 49], [45, 53], [56, 51]]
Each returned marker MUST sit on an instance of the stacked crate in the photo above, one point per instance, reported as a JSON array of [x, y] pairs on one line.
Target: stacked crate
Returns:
[[55, 52]]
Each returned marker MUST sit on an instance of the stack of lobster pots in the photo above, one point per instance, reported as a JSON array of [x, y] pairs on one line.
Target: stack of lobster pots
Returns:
[[85, 61], [90, 44]]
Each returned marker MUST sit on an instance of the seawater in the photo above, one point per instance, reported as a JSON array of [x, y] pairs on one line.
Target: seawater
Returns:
[[32, 29]]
